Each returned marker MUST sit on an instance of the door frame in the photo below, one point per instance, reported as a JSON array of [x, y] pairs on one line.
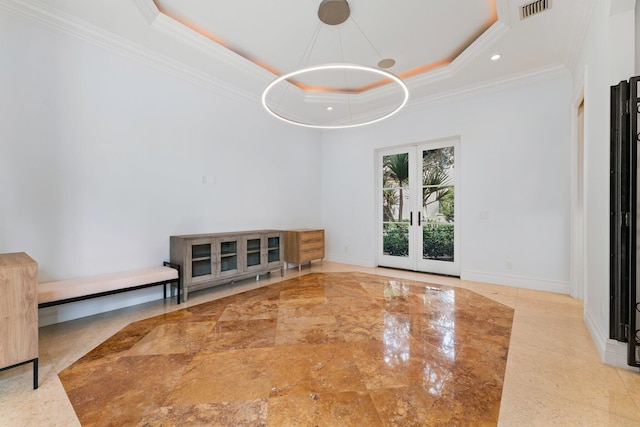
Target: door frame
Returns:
[[578, 199], [417, 263]]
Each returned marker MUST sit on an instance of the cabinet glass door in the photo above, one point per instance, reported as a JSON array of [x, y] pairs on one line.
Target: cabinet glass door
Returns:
[[228, 257], [253, 251], [201, 260], [201, 256], [273, 249]]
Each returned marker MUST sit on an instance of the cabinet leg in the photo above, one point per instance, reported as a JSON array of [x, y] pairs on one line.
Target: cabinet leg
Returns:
[[35, 373]]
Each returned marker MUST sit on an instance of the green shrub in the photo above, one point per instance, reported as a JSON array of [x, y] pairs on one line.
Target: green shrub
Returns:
[[396, 241], [437, 241]]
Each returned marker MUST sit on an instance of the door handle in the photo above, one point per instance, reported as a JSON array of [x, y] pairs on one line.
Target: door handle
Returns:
[[411, 218], [419, 221]]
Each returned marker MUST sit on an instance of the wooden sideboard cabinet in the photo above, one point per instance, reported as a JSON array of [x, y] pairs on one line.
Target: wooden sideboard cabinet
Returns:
[[302, 246], [19, 312], [215, 259]]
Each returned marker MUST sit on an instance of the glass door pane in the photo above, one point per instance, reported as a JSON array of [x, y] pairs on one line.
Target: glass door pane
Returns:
[[228, 256], [395, 204], [438, 179], [437, 223], [396, 209], [253, 252], [273, 249], [201, 260]]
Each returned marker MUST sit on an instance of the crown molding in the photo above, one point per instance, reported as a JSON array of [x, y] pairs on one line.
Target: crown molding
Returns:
[[486, 39], [574, 50], [498, 85], [195, 40], [479, 45], [621, 6], [45, 15], [148, 9], [502, 9]]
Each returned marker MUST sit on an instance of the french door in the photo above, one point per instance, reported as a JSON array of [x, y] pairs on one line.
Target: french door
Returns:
[[417, 222]]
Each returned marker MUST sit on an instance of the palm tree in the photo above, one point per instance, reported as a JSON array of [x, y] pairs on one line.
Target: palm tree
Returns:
[[435, 180], [397, 170], [389, 198]]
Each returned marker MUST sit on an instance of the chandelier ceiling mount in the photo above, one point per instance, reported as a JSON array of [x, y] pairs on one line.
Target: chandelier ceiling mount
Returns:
[[339, 94]]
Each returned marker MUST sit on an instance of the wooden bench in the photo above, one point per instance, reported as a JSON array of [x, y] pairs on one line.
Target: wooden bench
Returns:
[[66, 291]]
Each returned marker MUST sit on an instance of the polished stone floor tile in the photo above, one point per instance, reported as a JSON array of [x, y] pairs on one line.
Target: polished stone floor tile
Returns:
[[321, 349], [224, 377], [404, 406], [231, 335], [122, 391], [245, 413], [170, 338], [314, 369], [309, 330], [349, 408]]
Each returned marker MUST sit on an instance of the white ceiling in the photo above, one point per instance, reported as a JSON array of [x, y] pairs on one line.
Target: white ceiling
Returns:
[[440, 47], [278, 33]]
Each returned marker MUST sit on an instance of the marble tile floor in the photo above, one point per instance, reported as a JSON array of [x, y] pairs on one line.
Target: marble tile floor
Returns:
[[553, 374], [322, 349]]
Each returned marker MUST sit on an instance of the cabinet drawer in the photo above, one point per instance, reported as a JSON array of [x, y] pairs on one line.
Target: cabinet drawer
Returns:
[[313, 253], [310, 246], [312, 237]]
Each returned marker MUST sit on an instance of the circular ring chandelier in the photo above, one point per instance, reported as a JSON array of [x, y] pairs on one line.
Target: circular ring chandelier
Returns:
[[335, 12], [383, 73]]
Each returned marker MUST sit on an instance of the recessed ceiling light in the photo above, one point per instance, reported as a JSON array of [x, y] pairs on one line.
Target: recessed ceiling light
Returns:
[[329, 108], [495, 57]]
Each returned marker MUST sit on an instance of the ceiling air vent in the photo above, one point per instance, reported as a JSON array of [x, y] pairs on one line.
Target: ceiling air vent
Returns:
[[534, 8]]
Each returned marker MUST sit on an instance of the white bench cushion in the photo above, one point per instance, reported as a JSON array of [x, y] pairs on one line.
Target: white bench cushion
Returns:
[[64, 289]]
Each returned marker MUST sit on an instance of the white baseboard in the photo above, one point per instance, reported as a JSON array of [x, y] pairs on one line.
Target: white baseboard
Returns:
[[347, 260], [557, 286], [615, 354], [597, 335], [611, 352]]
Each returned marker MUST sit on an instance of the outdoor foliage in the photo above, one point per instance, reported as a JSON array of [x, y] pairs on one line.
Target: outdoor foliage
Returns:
[[396, 176], [396, 240], [437, 204], [437, 241]]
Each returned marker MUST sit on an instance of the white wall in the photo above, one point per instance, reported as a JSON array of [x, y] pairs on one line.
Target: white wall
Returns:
[[637, 37], [102, 159], [515, 163], [607, 58]]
